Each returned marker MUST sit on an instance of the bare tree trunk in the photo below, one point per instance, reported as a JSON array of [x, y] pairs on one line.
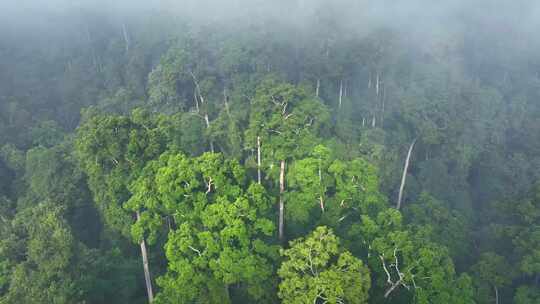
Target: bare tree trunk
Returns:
[[382, 105], [373, 121], [126, 36], [203, 102], [281, 200], [389, 290], [318, 87], [321, 199], [377, 85], [404, 176], [147, 278], [226, 102], [207, 121], [196, 101], [340, 92], [259, 159], [496, 294]]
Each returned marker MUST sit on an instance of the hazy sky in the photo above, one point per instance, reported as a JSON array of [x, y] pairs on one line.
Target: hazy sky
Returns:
[[422, 19]]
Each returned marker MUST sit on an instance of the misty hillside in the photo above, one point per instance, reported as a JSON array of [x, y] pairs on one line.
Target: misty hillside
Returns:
[[285, 151]]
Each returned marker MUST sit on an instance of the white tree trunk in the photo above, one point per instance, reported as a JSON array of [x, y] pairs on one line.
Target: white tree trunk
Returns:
[[318, 87], [382, 105], [126, 36], [259, 159], [146, 268], [340, 92], [377, 85], [281, 200], [207, 121], [496, 294], [404, 175], [321, 199]]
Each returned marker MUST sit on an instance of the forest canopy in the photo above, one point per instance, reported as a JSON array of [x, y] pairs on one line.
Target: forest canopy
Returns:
[[270, 151]]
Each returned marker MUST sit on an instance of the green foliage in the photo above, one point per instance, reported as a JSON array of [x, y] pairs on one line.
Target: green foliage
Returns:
[[317, 269], [406, 261], [44, 274], [47, 134], [105, 119], [449, 228], [113, 150], [331, 191], [286, 119], [527, 295], [217, 241]]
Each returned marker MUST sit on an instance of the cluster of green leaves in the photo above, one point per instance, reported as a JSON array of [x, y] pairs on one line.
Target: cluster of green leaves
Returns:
[[218, 228], [317, 269]]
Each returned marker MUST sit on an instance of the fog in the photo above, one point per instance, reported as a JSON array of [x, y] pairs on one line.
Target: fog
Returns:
[[422, 17], [202, 136]]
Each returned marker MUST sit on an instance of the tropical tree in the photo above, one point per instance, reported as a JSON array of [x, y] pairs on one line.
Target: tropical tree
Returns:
[[284, 122], [218, 229], [317, 270]]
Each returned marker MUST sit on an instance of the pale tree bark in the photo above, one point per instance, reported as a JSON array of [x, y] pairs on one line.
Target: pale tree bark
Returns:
[[203, 102], [377, 83], [340, 92], [281, 200], [496, 294], [226, 102], [196, 101], [259, 159], [404, 175], [382, 105], [318, 87], [401, 275], [126, 36], [392, 288], [321, 199], [146, 268]]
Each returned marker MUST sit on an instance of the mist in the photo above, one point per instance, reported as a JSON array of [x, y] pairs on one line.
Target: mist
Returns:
[[257, 151]]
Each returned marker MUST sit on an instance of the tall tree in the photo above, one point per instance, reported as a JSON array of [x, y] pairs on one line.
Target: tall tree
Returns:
[[217, 246], [286, 120], [316, 269]]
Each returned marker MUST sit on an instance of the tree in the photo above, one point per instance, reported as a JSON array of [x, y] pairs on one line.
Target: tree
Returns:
[[44, 273], [450, 228], [324, 190], [527, 295], [285, 121], [317, 270], [494, 270], [113, 150], [217, 246], [402, 259], [515, 226]]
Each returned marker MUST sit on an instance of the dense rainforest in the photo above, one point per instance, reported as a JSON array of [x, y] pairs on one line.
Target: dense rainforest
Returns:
[[270, 152]]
